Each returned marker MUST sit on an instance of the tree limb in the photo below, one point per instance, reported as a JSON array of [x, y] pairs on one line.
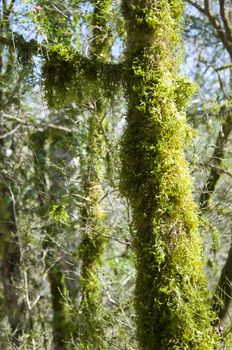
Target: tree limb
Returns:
[[92, 68], [225, 66], [9, 133], [225, 21], [215, 23], [198, 7], [223, 294], [216, 159]]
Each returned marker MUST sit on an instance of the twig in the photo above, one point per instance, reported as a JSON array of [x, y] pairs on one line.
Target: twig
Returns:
[[30, 305], [9, 133]]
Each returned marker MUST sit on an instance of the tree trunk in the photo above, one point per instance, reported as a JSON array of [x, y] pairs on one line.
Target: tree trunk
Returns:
[[171, 296], [91, 321]]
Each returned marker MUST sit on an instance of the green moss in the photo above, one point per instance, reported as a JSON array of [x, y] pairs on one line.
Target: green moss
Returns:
[[102, 33], [171, 297], [69, 77], [59, 214], [62, 329], [91, 314]]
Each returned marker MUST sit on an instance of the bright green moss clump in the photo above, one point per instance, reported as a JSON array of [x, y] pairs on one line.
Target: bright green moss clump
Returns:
[[171, 290]]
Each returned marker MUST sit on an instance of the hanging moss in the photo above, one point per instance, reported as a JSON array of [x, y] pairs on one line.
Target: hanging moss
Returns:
[[68, 76], [171, 297]]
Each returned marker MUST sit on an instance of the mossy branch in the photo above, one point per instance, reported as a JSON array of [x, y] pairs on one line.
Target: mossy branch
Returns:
[[68, 76]]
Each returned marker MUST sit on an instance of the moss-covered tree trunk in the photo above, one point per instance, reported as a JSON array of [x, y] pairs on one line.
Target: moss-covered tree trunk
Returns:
[[171, 297], [91, 320]]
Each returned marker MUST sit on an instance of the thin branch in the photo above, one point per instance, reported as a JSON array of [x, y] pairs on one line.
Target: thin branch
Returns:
[[127, 243], [57, 9], [9, 133], [223, 295], [30, 304], [216, 159], [38, 127], [109, 71], [10, 8], [14, 207], [197, 6], [215, 23], [225, 66], [6, 12], [225, 20], [223, 171], [217, 71], [59, 127]]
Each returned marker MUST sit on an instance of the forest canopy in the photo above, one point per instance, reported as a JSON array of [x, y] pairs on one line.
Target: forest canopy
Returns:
[[115, 174]]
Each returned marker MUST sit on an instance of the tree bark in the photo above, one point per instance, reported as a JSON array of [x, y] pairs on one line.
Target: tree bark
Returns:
[[91, 321], [171, 296]]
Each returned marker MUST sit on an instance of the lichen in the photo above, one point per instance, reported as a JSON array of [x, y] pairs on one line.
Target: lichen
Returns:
[[171, 297]]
